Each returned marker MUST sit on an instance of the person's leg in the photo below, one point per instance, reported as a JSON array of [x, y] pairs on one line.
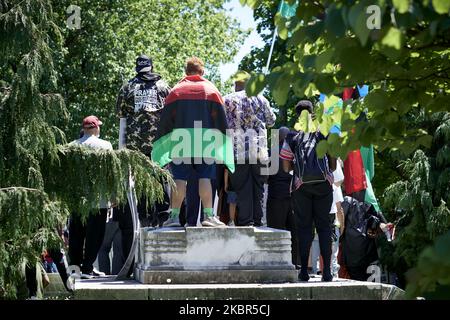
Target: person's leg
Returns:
[[302, 205], [334, 254], [315, 254], [322, 200], [104, 263], [77, 235], [242, 185], [258, 193], [118, 259], [178, 194], [277, 213], [291, 225], [95, 231], [192, 199], [232, 209], [58, 259], [31, 280], [126, 228]]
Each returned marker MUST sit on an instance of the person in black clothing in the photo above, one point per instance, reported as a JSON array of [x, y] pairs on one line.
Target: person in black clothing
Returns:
[[359, 248], [139, 106], [280, 214], [312, 193]]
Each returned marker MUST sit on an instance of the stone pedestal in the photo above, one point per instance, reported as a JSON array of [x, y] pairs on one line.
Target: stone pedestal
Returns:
[[215, 255]]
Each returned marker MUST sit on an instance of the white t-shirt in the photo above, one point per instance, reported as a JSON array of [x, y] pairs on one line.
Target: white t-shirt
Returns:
[[337, 197], [96, 143], [338, 175]]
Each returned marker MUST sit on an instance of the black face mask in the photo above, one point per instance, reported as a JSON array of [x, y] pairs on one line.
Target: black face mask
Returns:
[[149, 76]]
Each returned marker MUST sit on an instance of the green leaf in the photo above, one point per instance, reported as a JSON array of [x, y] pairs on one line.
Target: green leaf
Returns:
[[393, 38], [334, 23], [323, 59], [255, 85], [425, 141], [441, 6], [402, 6], [322, 149], [325, 83]]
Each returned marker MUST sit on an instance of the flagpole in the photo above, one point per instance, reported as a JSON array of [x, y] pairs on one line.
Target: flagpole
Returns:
[[275, 34]]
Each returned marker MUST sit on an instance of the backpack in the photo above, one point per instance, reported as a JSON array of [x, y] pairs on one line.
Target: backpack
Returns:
[[307, 166]]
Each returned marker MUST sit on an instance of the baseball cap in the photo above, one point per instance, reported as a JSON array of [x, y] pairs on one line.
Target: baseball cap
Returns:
[[143, 64], [91, 122]]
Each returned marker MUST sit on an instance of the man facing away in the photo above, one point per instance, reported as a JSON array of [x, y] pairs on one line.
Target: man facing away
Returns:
[[85, 239], [139, 107], [248, 117], [194, 104], [312, 191]]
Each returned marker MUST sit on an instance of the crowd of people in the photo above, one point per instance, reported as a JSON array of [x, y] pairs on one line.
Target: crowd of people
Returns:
[[304, 194]]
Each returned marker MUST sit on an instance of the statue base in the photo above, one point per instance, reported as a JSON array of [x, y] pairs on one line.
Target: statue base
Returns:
[[214, 255]]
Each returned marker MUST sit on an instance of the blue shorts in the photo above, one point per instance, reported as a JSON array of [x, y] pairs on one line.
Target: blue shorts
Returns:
[[183, 171], [231, 197]]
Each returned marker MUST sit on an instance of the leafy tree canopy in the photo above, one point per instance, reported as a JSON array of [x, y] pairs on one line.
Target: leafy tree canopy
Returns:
[[100, 56], [406, 63]]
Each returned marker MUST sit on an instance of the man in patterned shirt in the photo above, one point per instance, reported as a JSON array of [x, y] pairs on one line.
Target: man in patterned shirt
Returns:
[[249, 118]]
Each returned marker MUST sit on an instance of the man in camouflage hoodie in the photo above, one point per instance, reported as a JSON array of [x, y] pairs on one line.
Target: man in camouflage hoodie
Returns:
[[140, 102], [139, 107]]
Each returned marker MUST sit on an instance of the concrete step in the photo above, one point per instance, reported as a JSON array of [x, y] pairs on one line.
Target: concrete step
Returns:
[[339, 289]]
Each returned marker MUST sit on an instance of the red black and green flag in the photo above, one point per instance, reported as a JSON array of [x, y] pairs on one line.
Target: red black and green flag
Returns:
[[193, 125]]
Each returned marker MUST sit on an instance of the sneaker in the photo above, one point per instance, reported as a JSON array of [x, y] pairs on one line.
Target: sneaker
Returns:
[[231, 224], [86, 276], [97, 273], [303, 275], [172, 222], [212, 222], [327, 278]]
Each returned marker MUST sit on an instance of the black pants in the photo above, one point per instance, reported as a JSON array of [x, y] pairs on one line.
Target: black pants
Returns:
[[86, 239], [248, 183], [148, 216], [358, 273], [281, 216], [112, 239], [312, 203]]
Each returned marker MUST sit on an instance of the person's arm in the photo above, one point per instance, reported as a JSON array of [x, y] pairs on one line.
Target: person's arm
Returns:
[[340, 216], [286, 156], [332, 162], [269, 115], [287, 165]]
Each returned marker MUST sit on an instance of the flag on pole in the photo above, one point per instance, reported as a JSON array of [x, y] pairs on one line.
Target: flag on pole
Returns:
[[287, 11]]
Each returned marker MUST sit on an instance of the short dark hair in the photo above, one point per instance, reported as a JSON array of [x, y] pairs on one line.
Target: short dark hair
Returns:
[[194, 66], [304, 105]]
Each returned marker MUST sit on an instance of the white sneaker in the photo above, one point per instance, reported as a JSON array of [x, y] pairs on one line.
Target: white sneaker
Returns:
[[212, 222], [97, 273], [86, 276], [231, 224], [172, 222]]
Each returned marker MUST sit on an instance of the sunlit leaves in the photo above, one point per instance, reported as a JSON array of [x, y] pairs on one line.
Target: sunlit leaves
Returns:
[[441, 6]]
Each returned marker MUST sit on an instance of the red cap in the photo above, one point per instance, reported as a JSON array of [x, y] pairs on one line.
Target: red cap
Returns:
[[91, 122]]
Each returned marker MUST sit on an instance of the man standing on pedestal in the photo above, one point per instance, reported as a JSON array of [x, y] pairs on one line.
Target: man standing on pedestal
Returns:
[[139, 107], [249, 117], [194, 110]]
